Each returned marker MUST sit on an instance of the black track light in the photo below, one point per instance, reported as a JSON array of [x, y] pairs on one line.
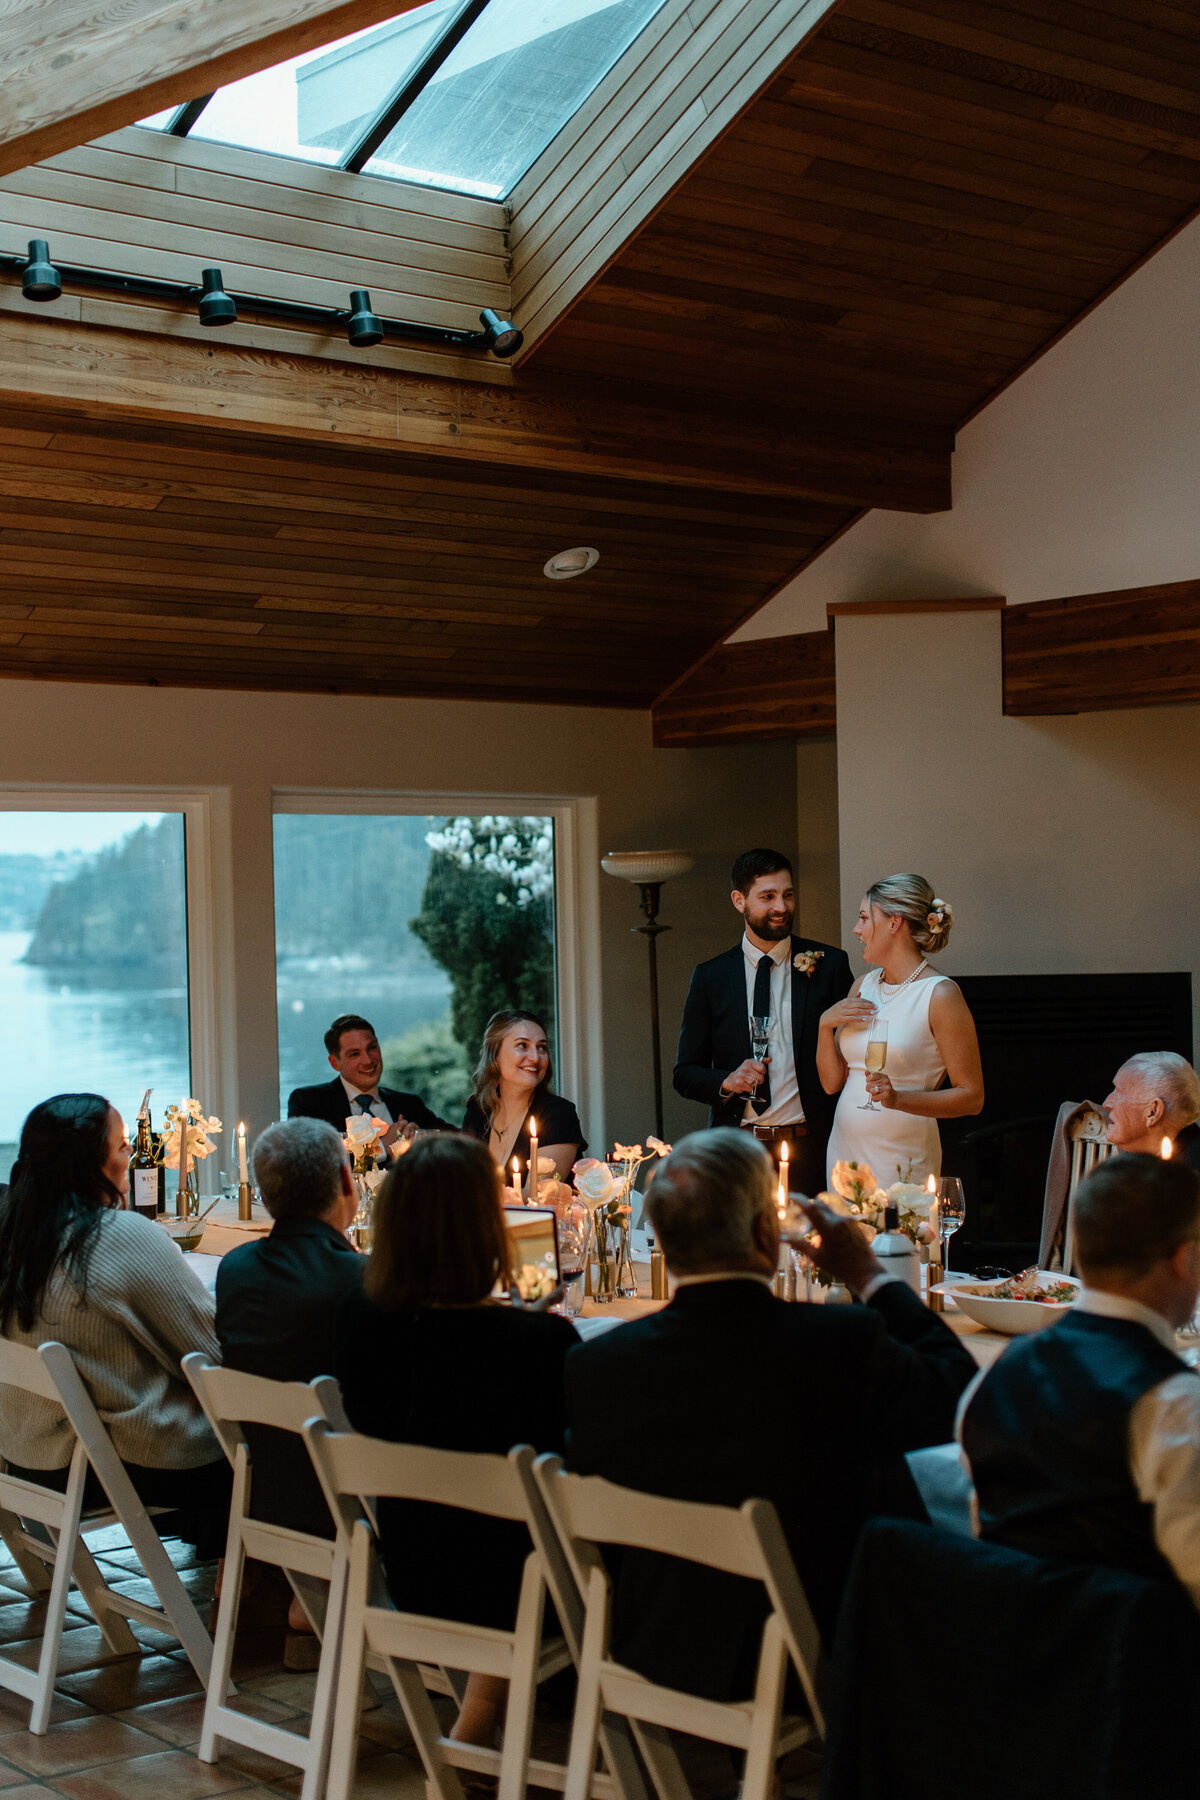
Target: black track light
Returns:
[[363, 328], [216, 308], [503, 338], [40, 280]]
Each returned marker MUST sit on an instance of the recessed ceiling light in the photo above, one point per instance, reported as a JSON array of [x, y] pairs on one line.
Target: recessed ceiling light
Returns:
[[571, 562]]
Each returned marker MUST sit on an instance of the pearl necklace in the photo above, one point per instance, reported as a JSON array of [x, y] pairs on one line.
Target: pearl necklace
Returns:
[[900, 986]]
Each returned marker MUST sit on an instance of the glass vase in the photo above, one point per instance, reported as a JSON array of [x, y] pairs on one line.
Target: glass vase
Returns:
[[615, 1279]]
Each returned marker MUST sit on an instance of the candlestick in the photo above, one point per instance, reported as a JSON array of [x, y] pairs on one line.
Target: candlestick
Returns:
[[243, 1172], [533, 1162], [181, 1193], [783, 1180]]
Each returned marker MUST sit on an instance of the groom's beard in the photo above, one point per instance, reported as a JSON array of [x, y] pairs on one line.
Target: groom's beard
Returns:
[[771, 928]]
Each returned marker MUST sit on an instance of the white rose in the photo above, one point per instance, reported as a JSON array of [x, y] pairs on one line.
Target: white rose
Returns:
[[595, 1183]]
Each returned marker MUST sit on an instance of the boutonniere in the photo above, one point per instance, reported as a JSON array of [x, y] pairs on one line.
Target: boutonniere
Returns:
[[806, 961]]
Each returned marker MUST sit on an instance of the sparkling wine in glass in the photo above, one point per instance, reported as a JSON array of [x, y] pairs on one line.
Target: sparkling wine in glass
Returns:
[[760, 1030], [876, 1057], [952, 1211]]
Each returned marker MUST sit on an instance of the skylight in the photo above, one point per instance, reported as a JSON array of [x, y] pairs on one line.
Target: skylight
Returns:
[[461, 94]]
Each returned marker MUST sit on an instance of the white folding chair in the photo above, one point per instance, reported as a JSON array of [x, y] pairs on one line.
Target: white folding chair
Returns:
[[353, 1469], [49, 1373], [587, 1513], [232, 1400], [1089, 1148]]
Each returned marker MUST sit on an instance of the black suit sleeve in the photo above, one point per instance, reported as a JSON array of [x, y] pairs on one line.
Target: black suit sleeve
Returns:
[[695, 1077], [918, 1373], [843, 977]]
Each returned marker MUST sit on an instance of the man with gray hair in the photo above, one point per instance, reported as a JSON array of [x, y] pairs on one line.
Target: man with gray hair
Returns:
[[728, 1394], [1155, 1095], [278, 1297]]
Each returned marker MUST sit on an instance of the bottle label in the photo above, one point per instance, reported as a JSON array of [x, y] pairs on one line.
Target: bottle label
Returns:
[[145, 1190]]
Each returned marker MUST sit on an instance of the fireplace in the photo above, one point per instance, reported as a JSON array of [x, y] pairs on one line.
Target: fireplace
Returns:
[[1044, 1039]]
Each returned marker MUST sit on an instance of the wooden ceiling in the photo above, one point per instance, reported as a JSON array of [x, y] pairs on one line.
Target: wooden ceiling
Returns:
[[920, 202], [145, 552]]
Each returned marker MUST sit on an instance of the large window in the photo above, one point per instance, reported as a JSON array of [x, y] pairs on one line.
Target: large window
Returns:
[[93, 960], [424, 924]]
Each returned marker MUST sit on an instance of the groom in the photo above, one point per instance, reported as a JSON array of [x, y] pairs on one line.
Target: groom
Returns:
[[793, 980]]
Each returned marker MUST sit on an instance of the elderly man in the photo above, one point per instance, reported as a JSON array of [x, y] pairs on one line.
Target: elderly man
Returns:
[[1084, 1441], [1155, 1095], [728, 1393], [277, 1298]]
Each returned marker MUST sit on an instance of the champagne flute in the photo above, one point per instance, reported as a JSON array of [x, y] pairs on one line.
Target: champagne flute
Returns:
[[952, 1212], [760, 1028], [876, 1057]]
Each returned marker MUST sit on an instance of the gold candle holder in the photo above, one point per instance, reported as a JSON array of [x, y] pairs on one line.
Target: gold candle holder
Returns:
[[245, 1200]]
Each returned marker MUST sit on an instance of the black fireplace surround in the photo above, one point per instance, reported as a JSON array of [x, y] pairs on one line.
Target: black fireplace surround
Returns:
[[1044, 1039]]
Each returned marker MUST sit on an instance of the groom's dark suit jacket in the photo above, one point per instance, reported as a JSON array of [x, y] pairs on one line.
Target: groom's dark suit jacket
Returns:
[[328, 1101], [715, 1035], [728, 1395]]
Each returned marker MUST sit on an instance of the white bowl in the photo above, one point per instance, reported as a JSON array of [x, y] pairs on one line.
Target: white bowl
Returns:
[[1013, 1318]]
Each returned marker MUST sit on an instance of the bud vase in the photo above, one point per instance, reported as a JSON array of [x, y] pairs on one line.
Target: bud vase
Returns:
[[615, 1279]]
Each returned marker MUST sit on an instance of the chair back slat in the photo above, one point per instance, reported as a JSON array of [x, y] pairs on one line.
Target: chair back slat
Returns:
[[22, 1366], [363, 1467], [231, 1398], [1089, 1148], [589, 1507]]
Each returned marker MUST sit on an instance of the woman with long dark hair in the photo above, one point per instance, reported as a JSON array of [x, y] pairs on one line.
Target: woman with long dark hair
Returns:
[[424, 1356], [77, 1268], [513, 1083]]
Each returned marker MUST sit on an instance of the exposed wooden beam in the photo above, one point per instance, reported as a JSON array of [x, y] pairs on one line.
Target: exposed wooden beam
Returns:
[[752, 693], [72, 69], [586, 427], [1103, 652]]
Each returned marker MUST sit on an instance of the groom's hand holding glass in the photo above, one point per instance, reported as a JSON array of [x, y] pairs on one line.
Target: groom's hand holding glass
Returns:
[[745, 1078]]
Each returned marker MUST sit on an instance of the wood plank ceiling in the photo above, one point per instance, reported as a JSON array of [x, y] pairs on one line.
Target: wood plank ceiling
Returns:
[[924, 197]]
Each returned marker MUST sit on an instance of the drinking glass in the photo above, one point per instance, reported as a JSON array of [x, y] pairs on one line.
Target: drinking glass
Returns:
[[952, 1211], [876, 1057], [760, 1028], [573, 1227]]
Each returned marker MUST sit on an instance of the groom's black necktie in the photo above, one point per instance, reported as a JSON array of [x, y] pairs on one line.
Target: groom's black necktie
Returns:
[[364, 1102], [762, 1010]]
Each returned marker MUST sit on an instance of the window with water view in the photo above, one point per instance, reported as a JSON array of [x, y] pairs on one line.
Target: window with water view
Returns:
[[424, 925], [93, 961]]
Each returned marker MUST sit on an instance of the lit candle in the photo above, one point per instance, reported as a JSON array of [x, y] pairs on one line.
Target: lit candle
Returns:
[[517, 1176], [243, 1172], [1167, 1150], [183, 1136], [533, 1162], [783, 1180], [931, 1187]]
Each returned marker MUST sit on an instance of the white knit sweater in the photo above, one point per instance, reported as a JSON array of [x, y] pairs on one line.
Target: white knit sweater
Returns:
[[139, 1312]]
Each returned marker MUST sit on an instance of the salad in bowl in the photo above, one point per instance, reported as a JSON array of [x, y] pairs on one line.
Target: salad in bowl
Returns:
[[1015, 1304]]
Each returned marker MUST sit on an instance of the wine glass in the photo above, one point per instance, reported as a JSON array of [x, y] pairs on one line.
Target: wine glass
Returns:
[[876, 1057], [760, 1029], [952, 1212], [573, 1226]]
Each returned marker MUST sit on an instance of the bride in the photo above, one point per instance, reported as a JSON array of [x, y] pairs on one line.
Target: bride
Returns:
[[930, 1037]]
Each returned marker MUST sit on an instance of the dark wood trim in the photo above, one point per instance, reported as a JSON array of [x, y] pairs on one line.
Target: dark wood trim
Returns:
[[1133, 647], [876, 608], [769, 690]]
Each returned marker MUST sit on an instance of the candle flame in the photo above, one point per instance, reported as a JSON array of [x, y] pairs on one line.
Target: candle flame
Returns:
[[784, 1152], [931, 1185], [1167, 1149], [533, 1130], [241, 1130]]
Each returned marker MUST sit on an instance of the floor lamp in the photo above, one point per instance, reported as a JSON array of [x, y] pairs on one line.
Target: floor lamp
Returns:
[[648, 869]]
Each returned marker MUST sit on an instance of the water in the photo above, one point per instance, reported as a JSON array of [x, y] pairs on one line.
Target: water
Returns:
[[96, 1030]]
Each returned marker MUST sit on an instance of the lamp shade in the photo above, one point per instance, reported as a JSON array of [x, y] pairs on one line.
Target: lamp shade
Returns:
[[647, 865]]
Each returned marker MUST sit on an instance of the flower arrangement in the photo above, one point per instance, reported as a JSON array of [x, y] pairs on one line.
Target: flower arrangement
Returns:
[[363, 1132], [605, 1190], [806, 961], [857, 1193], [199, 1128]]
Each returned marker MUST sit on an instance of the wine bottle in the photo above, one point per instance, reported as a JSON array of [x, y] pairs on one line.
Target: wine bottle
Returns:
[[143, 1171], [896, 1252]]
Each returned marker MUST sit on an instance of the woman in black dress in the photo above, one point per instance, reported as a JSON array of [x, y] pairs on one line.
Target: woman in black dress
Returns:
[[512, 1084], [425, 1356]]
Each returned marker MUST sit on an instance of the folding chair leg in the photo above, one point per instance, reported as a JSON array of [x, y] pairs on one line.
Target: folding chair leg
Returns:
[[518, 1714], [616, 1747], [343, 1747], [176, 1601], [102, 1604], [56, 1609], [31, 1567], [222, 1650], [585, 1728], [441, 1778], [763, 1749], [658, 1754], [331, 1603]]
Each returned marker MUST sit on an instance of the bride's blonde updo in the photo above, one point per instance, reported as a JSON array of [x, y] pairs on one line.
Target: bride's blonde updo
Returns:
[[911, 897]]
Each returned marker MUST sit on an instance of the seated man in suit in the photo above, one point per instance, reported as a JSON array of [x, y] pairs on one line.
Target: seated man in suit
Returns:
[[1084, 1439], [277, 1299], [1155, 1095], [729, 1394], [354, 1053]]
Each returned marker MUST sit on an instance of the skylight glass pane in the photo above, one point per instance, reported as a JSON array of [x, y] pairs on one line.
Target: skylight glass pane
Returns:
[[160, 120], [317, 105], [519, 74]]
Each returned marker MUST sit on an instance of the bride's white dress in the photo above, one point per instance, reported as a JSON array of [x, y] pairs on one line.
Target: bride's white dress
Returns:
[[898, 1146]]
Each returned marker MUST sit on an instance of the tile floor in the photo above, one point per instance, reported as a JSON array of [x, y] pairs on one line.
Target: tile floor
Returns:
[[126, 1727]]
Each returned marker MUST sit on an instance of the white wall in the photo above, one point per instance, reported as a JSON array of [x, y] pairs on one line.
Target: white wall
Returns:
[[1083, 476], [1064, 845], [243, 746]]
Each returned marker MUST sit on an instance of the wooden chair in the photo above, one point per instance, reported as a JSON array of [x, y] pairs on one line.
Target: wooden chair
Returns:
[[49, 1373], [1089, 1148], [587, 1513], [353, 1468], [232, 1400]]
